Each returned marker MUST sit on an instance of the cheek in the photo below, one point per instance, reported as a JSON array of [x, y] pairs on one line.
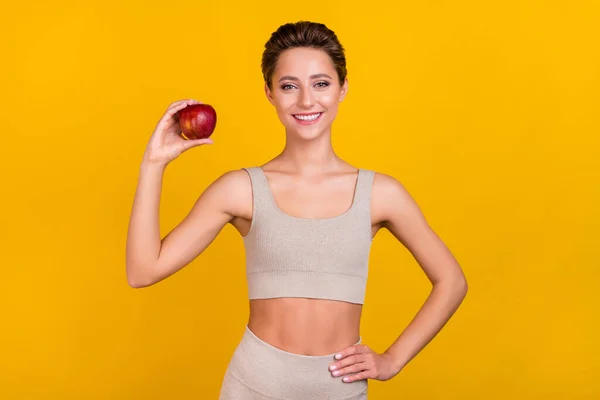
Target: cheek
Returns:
[[329, 100], [284, 108], [285, 103]]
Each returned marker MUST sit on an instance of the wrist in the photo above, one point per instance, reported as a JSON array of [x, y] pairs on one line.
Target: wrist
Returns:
[[153, 164], [397, 363]]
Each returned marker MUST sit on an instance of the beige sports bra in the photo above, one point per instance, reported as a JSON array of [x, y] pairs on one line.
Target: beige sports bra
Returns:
[[324, 258]]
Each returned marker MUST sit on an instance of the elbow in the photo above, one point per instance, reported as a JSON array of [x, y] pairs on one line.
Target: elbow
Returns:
[[136, 279], [460, 285], [458, 281], [457, 285], [136, 284], [463, 286]]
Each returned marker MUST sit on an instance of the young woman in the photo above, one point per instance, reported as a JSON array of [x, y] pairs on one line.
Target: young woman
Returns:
[[307, 219]]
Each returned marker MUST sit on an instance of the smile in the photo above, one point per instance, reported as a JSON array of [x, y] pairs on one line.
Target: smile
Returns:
[[305, 119]]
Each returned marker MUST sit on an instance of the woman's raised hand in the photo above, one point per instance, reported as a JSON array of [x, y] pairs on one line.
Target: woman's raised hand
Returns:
[[166, 143]]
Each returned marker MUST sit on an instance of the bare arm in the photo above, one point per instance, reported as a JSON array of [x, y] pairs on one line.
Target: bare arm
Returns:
[[150, 259], [143, 234], [405, 221]]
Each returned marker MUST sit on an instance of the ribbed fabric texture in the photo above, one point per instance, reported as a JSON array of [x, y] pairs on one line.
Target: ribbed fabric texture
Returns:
[[324, 258]]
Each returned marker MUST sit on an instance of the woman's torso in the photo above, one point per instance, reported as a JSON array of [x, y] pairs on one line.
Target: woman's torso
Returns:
[[304, 325]]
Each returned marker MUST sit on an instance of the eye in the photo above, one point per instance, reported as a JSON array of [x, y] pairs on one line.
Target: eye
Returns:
[[322, 84]]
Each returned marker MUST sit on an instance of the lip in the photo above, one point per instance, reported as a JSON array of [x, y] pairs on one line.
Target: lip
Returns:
[[307, 122]]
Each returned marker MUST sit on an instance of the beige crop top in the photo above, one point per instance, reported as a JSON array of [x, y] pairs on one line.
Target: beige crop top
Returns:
[[324, 258]]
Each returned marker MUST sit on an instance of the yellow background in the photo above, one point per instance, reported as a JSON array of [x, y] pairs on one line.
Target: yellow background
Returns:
[[486, 111]]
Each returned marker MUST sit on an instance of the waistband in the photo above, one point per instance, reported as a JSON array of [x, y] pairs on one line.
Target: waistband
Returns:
[[281, 374]]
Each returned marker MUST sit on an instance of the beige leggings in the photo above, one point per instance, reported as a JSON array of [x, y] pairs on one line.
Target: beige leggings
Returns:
[[259, 371]]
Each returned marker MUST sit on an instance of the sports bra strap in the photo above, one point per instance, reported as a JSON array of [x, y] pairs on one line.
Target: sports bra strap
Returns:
[[362, 197], [260, 187], [261, 192]]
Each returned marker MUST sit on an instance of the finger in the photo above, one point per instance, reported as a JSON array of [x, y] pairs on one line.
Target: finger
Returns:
[[196, 142], [182, 104], [183, 101], [179, 105], [173, 110], [349, 360], [357, 367], [356, 377], [354, 349]]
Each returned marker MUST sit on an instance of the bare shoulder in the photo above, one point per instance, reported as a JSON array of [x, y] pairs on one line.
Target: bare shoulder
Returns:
[[399, 213], [233, 190], [390, 200], [403, 218]]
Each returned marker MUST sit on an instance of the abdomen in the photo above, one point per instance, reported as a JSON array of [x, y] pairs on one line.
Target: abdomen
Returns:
[[305, 326]]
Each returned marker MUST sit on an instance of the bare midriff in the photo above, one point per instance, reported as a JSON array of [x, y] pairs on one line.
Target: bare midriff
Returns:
[[305, 326]]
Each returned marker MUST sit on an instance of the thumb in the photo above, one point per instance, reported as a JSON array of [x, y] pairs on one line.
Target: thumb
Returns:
[[188, 144]]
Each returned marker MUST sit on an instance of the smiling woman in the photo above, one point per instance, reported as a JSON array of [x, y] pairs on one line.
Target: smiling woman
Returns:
[[307, 219], [306, 94]]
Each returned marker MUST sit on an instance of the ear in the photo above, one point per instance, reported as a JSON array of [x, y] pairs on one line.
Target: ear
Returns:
[[344, 90], [268, 94]]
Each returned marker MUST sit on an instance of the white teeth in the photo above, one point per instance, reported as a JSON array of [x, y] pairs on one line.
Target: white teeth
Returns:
[[307, 117]]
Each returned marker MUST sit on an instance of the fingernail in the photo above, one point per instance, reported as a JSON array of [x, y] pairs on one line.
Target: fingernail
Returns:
[[338, 356], [331, 368]]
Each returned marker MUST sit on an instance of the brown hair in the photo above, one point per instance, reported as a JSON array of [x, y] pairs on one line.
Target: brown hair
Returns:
[[303, 34]]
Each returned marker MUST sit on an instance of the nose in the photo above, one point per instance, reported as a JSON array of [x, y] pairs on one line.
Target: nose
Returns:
[[306, 99]]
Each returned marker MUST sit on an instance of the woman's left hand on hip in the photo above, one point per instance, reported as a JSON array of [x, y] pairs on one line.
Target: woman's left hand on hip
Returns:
[[359, 362]]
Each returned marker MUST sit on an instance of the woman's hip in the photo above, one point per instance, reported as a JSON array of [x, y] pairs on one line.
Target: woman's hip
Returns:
[[264, 370]]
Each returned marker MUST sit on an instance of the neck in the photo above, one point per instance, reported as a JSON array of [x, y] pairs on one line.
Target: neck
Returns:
[[309, 157]]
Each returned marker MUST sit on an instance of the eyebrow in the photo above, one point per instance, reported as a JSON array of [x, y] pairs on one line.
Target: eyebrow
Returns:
[[293, 78]]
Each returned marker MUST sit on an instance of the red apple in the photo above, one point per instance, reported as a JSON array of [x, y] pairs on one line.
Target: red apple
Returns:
[[197, 121]]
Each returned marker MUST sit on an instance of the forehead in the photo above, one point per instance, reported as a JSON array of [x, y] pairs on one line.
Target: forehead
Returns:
[[303, 61]]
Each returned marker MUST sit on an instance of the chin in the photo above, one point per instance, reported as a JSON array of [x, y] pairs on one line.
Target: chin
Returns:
[[306, 134]]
